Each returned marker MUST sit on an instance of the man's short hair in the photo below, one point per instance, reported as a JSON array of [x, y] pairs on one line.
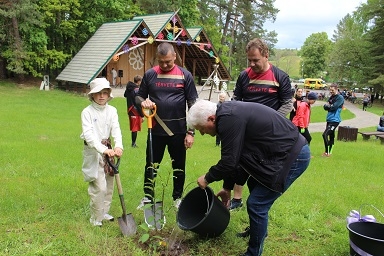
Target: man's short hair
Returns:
[[334, 86], [258, 44], [165, 48]]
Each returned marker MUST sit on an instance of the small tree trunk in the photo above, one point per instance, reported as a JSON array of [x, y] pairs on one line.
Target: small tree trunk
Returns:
[[3, 73], [18, 47]]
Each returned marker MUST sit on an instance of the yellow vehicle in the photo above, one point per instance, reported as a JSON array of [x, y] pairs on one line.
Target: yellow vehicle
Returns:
[[314, 84]]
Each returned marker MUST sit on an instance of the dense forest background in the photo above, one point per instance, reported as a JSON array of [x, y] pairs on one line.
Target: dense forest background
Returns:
[[39, 37]]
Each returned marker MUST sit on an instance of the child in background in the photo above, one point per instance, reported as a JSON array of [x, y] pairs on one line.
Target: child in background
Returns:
[[135, 113], [303, 113], [222, 97], [99, 122]]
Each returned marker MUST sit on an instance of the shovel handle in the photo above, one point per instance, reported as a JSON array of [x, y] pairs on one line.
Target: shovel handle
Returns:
[[149, 117], [121, 194], [118, 183]]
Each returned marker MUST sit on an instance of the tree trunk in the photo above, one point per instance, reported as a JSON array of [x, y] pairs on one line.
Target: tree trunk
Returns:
[[2, 68], [226, 25], [18, 47]]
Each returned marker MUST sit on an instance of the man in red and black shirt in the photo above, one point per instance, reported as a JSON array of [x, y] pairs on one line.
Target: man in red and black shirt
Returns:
[[170, 88], [261, 83]]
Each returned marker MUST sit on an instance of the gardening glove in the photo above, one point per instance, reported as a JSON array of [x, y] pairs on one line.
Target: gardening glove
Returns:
[[302, 130]]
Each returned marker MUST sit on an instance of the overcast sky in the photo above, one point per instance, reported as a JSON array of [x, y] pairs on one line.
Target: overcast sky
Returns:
[[298, 19]]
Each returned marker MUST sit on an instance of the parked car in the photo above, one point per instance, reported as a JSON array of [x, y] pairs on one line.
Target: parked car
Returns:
[[314, 84]]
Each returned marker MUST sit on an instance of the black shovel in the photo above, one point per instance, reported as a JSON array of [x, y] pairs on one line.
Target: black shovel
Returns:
[[126, 222], [153, 215]]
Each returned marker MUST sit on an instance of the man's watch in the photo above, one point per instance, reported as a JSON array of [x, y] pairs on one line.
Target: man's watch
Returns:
[[192, 133]]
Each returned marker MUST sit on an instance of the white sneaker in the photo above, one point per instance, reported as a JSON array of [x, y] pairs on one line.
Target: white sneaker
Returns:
[[108, 217], [177, 203], [142, 202], [95, 222]]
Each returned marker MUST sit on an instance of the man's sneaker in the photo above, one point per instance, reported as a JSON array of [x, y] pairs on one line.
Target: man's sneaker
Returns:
[[325, 154], [177, 203], [95, 222], [108, 217], [143, 202], [244, 233], [235, 203]]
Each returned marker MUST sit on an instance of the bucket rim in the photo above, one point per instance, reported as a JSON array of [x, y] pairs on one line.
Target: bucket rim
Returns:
[[361, 235], [209, 208]]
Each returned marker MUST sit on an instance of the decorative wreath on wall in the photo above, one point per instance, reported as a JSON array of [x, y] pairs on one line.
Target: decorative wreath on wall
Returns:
[[115, 58], [135, 58]]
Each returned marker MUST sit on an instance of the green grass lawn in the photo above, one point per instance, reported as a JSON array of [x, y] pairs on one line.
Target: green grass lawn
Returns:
[[44, 200]]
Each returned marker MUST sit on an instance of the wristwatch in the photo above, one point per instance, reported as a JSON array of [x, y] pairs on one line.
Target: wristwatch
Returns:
[[192, 133]]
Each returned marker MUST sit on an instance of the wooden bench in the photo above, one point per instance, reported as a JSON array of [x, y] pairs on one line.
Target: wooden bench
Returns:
[[367, 135], [381, 137]]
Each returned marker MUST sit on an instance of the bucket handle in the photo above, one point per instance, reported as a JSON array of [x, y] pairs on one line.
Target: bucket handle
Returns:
[[206, 194], [382, 215]]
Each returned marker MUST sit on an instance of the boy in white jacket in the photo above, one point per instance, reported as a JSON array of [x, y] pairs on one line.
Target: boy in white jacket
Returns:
[[99, 122]]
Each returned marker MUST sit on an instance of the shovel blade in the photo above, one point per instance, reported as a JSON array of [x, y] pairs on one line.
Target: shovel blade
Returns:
[[127, 225]]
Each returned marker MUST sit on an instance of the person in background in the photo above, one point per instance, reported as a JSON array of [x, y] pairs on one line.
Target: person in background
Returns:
[[333, 107], [114, 77], [298, 97], [135, 113], [222, 97], [99, 122], [366, 100], [303, 114], [380, 127], [171, 88], [261, 83], [255, 144]]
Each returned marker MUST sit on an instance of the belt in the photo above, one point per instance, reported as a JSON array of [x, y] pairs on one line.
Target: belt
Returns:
[[104, 142]]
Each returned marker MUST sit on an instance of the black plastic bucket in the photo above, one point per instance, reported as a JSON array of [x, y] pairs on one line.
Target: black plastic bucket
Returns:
[[203, 213], [366, 238]]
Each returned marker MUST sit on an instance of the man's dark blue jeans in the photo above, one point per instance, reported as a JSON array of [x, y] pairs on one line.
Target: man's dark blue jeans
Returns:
[[261, 199]]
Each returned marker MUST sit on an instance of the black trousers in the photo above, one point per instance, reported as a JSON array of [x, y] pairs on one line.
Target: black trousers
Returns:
[[177, 153], [329, 136]]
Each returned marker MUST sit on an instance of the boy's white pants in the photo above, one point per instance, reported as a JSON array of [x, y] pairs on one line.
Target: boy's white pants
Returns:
[[100, 191]]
